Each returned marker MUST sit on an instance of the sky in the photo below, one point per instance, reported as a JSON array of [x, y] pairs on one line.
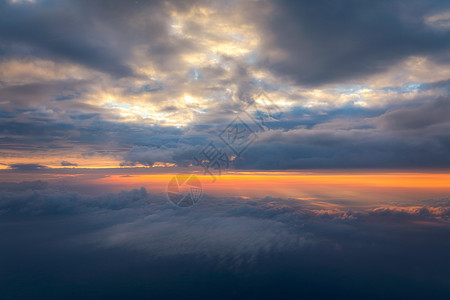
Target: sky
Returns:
[[319, 130], [104, 84]]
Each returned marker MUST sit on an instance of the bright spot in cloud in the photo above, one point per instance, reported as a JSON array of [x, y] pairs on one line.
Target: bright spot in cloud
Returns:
[[440, 20]]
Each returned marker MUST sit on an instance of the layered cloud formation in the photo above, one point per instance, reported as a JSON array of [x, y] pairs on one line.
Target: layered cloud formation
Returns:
[[98, 96], [113, 83], [231, 245]]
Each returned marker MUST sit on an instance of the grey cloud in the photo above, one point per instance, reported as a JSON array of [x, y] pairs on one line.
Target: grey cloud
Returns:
[[148, 155], [180, 153], [401, 137], [232, 231], [420, 116], [59, 31], [142, 221], [84, 130], [320, 42], [29, 94], [65, 163], [38, 198], [23, 186], [330, 50], [27, 167], [101, 35], [407, 135], [114, 236]]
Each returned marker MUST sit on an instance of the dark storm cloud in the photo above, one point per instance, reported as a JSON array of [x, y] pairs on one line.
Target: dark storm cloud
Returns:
[[398, 137], [394, 136], [430, 113], [313, 43], [60, 30], [411, 135], [82, 130], [30, 94], [101, 35], [317, 42]]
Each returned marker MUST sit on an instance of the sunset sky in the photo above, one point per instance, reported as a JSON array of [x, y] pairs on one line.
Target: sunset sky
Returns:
[[329, 122], [104, 84]]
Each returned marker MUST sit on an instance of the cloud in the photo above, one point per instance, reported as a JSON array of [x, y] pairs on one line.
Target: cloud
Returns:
[[430, 113], [308, 242], [405, 137], [23, 186], [102, 83], [334, 42], [63, 34], [38, 198], [237, 228], [135, 84], [65, 163], [440, 20], [27, 167]]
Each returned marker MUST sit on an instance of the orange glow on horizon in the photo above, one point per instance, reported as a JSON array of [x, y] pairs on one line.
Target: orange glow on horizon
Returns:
[[301, 185], [410, 180]]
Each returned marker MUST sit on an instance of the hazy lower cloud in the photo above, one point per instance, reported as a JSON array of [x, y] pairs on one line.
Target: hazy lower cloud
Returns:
[[94, 238], [218, 226]]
